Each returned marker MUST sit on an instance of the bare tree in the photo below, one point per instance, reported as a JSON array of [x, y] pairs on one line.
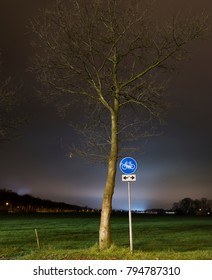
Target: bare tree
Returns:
[[188, 206], [111, 56], [8, 100]]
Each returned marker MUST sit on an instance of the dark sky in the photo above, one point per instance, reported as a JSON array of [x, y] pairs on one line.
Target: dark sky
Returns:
[[175, 165]]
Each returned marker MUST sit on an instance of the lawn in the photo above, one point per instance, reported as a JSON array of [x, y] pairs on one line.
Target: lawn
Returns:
[[75, 236]]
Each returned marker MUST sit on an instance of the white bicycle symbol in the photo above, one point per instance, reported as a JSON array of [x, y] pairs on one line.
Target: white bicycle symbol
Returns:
[[128, 165]]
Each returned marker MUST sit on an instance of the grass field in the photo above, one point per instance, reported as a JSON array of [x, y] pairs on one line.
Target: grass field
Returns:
[[75, 236]]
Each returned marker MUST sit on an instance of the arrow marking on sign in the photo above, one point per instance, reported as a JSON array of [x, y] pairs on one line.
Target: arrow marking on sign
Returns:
[[129, 178]]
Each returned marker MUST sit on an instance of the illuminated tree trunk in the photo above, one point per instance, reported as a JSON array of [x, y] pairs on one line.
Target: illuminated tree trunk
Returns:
[[104, 230]]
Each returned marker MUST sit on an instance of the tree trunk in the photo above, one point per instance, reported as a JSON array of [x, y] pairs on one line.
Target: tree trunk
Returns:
[[105, 240]]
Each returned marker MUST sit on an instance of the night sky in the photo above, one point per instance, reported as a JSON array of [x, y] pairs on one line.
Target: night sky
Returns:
[[172, 166]]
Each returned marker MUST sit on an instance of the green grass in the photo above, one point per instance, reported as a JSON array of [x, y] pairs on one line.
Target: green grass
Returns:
[[75, 236]]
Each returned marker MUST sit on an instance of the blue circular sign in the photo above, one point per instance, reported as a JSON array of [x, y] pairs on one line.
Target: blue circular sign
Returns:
[[128, 165]]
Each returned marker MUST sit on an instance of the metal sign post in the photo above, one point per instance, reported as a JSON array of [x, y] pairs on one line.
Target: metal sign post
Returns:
[[130, 219], [128, 165]]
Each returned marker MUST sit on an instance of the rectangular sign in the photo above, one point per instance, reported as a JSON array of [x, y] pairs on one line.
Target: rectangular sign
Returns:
[[128, 178]]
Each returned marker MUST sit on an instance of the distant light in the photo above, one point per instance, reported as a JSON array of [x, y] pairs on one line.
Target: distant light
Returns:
[[139, 209], [7, 203], [170, 212]]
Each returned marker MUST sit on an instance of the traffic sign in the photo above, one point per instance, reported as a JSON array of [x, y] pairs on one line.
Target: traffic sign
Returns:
[[128, 165], [128, 178]]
